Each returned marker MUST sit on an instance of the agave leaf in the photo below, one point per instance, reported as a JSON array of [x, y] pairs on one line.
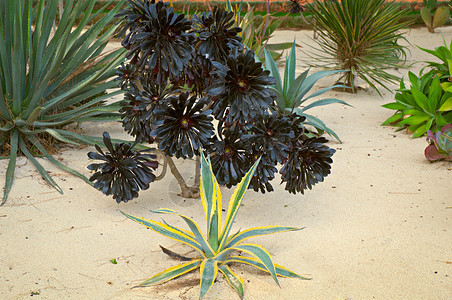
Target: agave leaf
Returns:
[[39, 167], [211, 202], [261, 254], [322, 102], [234, 204], [169, 232], [280, 270], [11, 165], [209, 271], [234, 280], [258, 231], [289, 70], [273, 68], [200, 239], [172, 273]]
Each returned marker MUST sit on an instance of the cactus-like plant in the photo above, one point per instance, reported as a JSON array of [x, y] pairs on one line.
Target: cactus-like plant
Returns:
[[434, 16]]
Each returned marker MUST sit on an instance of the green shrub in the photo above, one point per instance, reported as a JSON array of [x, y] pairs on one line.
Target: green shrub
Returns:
[[219, 248], [361, 37], [51, 79]]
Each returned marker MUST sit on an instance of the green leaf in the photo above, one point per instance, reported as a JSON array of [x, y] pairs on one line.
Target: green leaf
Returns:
[[211, 202], [289, 70], [258, 231], [420, 98], [234, 280], [209, 271], [201, 240], [12, 164], [394, 118], [234, 203], [395, 106], [179, 235], [273, 68], [280, 271], [322, 102], [447, 105], [261, 254], [172, 273]]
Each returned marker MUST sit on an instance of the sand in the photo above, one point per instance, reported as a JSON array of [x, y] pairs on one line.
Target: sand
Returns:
[[379, 227]]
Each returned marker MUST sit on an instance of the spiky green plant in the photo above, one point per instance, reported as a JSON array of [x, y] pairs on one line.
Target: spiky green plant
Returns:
[[49, 79], [361, 37], [218, 249], [291, 92]]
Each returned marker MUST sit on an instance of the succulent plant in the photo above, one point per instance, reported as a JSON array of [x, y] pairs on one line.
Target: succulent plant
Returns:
[[440, 144]]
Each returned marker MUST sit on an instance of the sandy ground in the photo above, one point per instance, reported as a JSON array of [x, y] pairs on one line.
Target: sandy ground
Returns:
[[379, 227]]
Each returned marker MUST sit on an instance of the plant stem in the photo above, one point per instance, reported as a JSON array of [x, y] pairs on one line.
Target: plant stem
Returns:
[[186, 191]]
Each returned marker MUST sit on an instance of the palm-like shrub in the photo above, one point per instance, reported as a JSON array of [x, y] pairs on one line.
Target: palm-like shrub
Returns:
[[219, 248], [360, 37], [49, 79], [217, 78]]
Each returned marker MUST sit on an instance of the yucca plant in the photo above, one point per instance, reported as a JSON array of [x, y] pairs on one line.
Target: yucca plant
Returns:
[[49, 79], [361, 37], [291, 92], [219, 249]]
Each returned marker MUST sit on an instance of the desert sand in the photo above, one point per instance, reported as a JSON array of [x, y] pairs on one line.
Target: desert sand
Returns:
[[379, 227]]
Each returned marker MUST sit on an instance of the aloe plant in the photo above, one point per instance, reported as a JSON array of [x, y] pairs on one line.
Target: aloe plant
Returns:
[[50, 79], [219, 248], [291, 92]]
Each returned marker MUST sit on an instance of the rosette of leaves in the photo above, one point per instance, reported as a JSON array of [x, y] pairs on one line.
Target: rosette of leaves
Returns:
[[196, 75], [218, 249], [184, 126], [124, 171], [127, 76], [241, 87], [217, 36], [309, 162], [265, 172], [228, 156], [157, 37]]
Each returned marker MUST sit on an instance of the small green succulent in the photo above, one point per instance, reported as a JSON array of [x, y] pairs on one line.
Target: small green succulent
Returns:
[[219, 249]]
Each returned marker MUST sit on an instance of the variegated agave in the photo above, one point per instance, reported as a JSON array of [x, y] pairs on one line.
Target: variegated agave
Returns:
[[219, 249]]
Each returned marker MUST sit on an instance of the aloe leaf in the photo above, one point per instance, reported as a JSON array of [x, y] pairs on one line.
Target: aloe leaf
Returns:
[[234, 203], [169, 232], [258, 231], [209, 271], [59, 137], [201, 240], [11, 165], [261, 254], [280, 270], [172, 273], [234, 280]]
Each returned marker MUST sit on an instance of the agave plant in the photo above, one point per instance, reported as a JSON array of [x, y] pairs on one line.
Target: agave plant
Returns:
[[361, 37], [218, 249], [291, 92], [50, 79]]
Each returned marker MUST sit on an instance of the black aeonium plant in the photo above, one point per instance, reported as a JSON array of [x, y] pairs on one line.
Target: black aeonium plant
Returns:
[[179, 76], [241, 86], [124, 171], [184, 127]]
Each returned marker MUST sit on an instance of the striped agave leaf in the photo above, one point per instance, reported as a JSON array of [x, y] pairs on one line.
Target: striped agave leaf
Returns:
[[218, 250], [52, 78]]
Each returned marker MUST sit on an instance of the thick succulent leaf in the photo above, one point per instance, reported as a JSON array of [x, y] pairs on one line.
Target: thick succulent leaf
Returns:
[[209, 271], [234, 280], [258, 231], [270, 65], [169, 232], [193, 227], [211, 202], [280, 270], [234, 204], [172, 273], [289, 70], [261, 254], [322, 102]]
